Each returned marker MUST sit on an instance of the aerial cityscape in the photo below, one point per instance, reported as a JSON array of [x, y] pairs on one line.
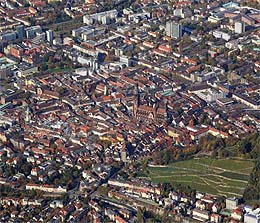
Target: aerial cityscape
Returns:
[[129, 111]]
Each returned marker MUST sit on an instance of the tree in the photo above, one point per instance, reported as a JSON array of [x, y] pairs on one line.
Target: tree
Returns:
[[245, 146], [26, 168], [252, 192], [166, 188], [75, 173], [140, 215], [110, 58]]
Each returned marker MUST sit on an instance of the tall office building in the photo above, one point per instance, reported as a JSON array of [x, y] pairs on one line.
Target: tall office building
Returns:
[[20, 31], [31, 31], [240, 27], [49, 35], [173, 29]]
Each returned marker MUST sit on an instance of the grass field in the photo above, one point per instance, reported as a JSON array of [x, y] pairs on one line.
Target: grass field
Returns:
[[216, 176]]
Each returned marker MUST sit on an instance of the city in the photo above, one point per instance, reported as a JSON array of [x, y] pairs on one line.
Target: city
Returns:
[[130, 111]]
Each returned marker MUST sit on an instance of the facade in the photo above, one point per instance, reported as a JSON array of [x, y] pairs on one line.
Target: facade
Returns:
[[5, 67], [231, 203], [252, 218], [132, 186], [49, 35], [210, 95], [200, 215], [149, 114], [8, 36], [31, 31], [221, 35], [200, 77], [102, 17], [173, 29], [246, 100], [16, 51], [25, 70], [20, 31], [239, 27], [46, 188]]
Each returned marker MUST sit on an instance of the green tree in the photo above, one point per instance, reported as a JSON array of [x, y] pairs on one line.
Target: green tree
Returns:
[[140, 215]]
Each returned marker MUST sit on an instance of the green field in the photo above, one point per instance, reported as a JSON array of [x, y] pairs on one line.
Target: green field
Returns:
[[216, 176]]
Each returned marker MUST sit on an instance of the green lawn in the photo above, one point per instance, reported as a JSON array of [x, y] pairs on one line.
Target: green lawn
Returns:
[[216, 176]]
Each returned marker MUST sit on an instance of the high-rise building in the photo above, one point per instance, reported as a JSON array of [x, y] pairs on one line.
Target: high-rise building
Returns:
[[20, 31], [173, 29], [49, 35], [239, 27], [31, 31]]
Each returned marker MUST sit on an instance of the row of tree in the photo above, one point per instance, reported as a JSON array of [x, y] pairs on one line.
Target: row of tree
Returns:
[[252, 191], [247, 147]]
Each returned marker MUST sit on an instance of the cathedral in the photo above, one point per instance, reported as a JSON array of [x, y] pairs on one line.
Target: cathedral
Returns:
[[148, 113]]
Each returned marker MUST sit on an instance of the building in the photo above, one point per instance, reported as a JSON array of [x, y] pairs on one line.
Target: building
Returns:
[[86, 32], [248, 101], [20, 31], [51, 1], [49, 35], [215, 218], [102, 17], [200, 215], [9, 96], [231, 203], [6, 67], [131, 186], [200, 77], [8, 36], [237, 214], [24, 70], [46, 188], [239, 27], [173, 29], [248, 20], [210, 95], [252, 216], [221, 35], [148, 113], [16, 51], [30, 32]]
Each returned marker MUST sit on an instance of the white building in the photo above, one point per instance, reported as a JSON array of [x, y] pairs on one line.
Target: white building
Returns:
[[239, 27], [103, 17], [221, 35], [215, 218], [173, 29], [249, 218], [31, 31], [210, 94], [252, 216], [45, 188], [200, 215], [231, 203], [49, 35], [237, 214]]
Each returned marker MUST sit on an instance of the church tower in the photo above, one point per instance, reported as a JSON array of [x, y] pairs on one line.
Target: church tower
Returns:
[[27, 115]]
